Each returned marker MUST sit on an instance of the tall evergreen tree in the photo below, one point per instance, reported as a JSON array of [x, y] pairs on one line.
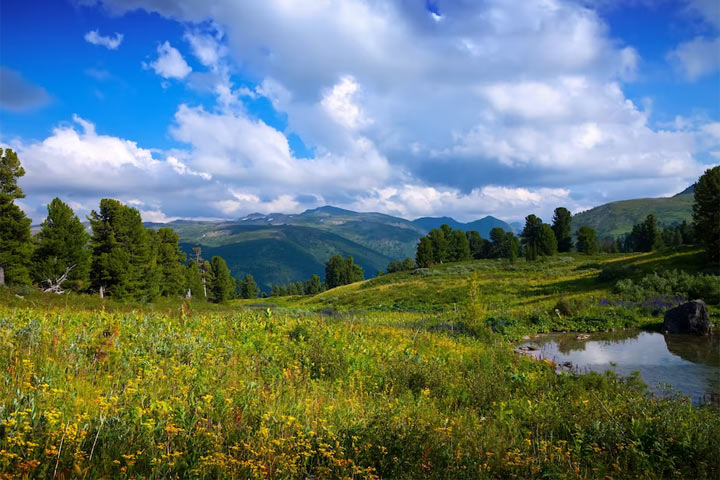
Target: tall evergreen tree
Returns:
[[547, 243], [314, 285], [479, 247], [561, 227], [15, 239], [193, 280], [513, 246], [706, 212], [425, 256], [250, 288], [121, 252], [646, 236], [170, 263], [531, 236], [61, 245], [587, 240], [498, 245], [459, 246], [440, 245], [222, 285], [342, 271]]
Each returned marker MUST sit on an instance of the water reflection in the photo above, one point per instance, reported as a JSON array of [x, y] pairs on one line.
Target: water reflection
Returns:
[[688, 364]]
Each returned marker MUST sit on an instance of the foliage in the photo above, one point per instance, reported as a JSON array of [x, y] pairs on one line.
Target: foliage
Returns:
[[561, 227], [425, 256], [61, 244], [221, 285], [247, 288], [170, 263], [15, 241], [193, 280], [672, 283], [401, 265], [342, 271], [587, 241], [645, 236], [706, 212]]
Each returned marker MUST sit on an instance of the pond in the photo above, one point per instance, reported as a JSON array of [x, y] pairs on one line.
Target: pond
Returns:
[[688, 364]]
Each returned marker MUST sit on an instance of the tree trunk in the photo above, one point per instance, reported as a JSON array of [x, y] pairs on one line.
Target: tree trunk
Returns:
[[2, 276], [102, 292]]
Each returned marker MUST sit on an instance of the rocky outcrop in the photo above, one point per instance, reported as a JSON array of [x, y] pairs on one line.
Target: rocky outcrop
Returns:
[[691, 317]]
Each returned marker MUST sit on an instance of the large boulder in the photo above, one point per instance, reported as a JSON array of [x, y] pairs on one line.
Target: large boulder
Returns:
[[691, 317]]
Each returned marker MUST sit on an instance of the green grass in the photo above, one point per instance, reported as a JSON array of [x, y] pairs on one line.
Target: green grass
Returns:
[[230, 394], [408, 375]]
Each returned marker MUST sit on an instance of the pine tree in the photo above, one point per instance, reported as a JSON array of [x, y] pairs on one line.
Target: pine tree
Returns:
[[222, 285], [498, 245], [479, 247], [425, 256], [170, 263], [314, 285], [561, 228], [61, 247], [193, 280], [122, 260], [440, 245], [587, 240], [16, 246], [547, 243], [458, 246], [292, 289], [531, 236], [706, 212], [513, 247]]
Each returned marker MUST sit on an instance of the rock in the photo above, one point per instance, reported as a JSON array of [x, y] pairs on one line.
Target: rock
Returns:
[[691, 317], [582, 336]]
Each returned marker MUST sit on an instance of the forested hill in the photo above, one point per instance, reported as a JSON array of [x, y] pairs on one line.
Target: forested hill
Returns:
[[279, 248], [618, 218]]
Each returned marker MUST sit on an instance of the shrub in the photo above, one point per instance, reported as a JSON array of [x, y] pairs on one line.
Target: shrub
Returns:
[[672, 283]]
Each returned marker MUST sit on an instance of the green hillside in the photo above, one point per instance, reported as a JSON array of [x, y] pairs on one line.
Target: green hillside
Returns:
[[618, 218], [276, 254]]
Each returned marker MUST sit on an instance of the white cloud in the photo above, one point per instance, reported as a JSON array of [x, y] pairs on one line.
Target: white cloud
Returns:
[[483, 105], [170, 63], [697, 58], [109, 42]]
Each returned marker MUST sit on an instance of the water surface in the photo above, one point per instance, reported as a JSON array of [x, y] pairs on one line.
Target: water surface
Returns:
[[689, 364]]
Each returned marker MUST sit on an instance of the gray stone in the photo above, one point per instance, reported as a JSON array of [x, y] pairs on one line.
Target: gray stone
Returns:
[[691, 317]]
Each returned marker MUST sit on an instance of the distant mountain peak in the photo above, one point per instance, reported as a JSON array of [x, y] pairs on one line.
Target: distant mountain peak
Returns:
[[329, 210]]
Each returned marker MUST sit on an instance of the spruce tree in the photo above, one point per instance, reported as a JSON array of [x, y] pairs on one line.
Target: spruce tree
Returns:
[[531, 236], [193, 280], [170, 263], [16, 246], [222, 285], [459, 246], [587, 240], [440, 244], [61, 246], [122, 257], [314, 285], [561, 228], [425, 256], [498, 245], [706, 212], [547, 242]]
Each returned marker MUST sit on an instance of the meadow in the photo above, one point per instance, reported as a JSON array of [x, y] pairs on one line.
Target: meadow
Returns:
[[409, 375]]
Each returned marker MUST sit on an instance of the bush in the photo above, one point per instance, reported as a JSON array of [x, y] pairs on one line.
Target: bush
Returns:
[[672, 283]]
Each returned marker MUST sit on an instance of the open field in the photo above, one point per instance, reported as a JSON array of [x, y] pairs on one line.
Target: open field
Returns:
[[194, 390]]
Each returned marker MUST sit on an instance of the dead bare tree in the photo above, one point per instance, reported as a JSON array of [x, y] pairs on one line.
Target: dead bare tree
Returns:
[[55, 286]]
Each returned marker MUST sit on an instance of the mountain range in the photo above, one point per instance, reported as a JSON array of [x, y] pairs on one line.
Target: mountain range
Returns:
[[281, 248]]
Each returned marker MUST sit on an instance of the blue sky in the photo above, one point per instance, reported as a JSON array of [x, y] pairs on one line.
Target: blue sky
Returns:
[[216, 108]]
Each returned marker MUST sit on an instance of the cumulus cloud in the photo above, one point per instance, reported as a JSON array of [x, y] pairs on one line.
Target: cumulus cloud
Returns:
[[697, 58], [109, 42], [170, 63], [473, 108], [17, 95]]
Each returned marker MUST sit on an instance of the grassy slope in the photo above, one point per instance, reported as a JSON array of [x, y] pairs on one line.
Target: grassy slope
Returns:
[[617, 218]]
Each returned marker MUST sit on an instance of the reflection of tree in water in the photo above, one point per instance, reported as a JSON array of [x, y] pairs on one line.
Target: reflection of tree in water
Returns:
[[696, 349], [569, 342]]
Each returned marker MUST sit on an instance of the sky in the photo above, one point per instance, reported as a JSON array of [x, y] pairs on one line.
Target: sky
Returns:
[[217, 108]]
